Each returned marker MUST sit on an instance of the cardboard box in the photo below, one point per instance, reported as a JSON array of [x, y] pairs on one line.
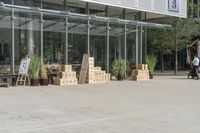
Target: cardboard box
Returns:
[[137, 71], [91, 59], [136, 78], [140, 66], [145, 67], [97, 68], [107, 77], [67, 75], [66, 68]]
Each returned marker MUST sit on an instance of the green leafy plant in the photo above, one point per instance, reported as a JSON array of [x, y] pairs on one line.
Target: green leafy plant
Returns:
[[119, 68], [34, 66], [43, 72], [151, 61]]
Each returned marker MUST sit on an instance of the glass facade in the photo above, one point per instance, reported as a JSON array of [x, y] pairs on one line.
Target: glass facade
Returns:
[[62, 38], [131, 45], [5, 38], [77, 40], [116, 41], [27, 35], [98, 42], [53, 39]]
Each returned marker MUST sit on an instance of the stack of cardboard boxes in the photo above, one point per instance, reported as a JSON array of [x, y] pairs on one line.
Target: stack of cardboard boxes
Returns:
[[90, 71], [95, 74], [141, 73], [101, 76], [66, 76]]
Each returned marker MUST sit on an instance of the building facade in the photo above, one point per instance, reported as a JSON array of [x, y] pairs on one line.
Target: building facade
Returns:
[[61, 31]]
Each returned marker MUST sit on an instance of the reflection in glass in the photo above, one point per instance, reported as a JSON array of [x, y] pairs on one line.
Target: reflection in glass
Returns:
[[53, 4], [98, 43], [27, 35], [131, 48], [77, 40], [31, 3], [5, 38], [53, 39], [116, 41]]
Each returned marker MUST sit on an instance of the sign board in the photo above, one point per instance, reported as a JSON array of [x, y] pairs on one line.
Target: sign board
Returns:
[[24, 65], [173, 5]]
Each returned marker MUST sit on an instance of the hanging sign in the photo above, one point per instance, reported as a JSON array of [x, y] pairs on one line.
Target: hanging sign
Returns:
[[173, 5]]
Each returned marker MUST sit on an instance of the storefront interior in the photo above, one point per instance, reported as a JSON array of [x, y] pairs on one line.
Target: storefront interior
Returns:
[[61, 31]]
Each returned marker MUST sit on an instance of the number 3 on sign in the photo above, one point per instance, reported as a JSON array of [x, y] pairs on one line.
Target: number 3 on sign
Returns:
[[174, 4]]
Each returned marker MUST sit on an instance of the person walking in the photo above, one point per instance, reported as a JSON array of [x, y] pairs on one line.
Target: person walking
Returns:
[[195, 65]]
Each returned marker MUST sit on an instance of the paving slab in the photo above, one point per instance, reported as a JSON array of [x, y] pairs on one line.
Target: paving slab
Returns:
[[166, 104]]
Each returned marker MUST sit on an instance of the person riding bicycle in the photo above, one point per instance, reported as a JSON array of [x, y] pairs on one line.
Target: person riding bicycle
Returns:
[[195, 66]]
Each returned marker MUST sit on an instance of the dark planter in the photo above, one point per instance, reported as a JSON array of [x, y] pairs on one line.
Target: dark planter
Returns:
[[44, 82], [150, 75], [119, 77], [35, 82]]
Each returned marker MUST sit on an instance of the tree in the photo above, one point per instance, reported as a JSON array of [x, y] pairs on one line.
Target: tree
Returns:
[[167, 41]]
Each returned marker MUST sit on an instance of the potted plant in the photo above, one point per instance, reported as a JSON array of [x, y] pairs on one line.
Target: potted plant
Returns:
[[34, 70], [44, 81], [151, 61], [119, 68]]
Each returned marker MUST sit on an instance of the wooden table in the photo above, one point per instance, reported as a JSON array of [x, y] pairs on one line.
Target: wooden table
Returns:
[[51, 76], [5, 77]]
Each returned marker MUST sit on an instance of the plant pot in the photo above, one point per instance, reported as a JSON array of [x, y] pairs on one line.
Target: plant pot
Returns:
[[150, 75], [35, 82], [44, 82], [119, 77]]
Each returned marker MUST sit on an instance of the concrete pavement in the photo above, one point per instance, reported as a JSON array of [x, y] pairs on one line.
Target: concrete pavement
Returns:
[[167, 104]]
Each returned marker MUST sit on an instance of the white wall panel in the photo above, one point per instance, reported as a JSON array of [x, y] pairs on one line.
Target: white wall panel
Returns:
[[144, 4], [129, 3], [159, 6], [154, 6]]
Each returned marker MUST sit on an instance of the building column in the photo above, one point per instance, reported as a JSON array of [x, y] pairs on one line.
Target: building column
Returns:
[[30, 38], [41, 38], [88, 36], [66, 46], [13, 42], [198, 10], [141, 42], [88, 28], [108, 47], [145, 38], [125, 47], [137, 45], [107, 39], [66, 60], [119, 49], [41, 35]]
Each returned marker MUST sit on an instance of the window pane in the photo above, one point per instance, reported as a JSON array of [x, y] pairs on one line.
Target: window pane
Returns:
[[53, 39], [5, 38]]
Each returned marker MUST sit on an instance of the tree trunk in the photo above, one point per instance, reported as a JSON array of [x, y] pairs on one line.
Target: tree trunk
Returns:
[[176, 62], [176, 55], [162, 63]]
